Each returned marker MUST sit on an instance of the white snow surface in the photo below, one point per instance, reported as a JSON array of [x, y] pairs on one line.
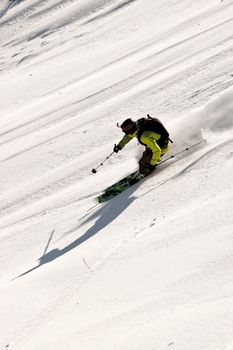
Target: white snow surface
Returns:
[[152, 269]]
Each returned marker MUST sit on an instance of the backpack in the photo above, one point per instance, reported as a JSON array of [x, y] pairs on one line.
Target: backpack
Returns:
[[153, 124]]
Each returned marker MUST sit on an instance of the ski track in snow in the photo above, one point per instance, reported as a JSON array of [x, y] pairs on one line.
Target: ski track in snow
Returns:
[[127, 273]]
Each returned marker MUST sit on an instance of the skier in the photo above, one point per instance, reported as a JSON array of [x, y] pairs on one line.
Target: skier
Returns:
[[151, 133]]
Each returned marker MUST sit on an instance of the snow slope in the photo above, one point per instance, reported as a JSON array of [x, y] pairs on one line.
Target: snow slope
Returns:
[[152, 268]]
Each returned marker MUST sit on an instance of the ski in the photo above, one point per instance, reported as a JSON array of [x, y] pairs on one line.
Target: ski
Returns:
[[119, 187]]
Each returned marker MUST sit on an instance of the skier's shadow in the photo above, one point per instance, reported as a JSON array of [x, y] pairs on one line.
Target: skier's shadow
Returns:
[[104, 216]]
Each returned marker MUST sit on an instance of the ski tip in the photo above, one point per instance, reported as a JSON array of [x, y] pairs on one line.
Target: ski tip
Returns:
[[96, 200]]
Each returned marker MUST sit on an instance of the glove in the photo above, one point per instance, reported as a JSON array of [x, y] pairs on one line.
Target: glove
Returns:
[[116, 148]]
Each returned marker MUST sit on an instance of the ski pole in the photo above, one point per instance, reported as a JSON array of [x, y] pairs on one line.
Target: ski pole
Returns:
[[184, 150], [94, 170]]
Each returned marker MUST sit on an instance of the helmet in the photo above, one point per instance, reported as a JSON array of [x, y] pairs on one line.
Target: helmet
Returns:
[[129, 126]]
